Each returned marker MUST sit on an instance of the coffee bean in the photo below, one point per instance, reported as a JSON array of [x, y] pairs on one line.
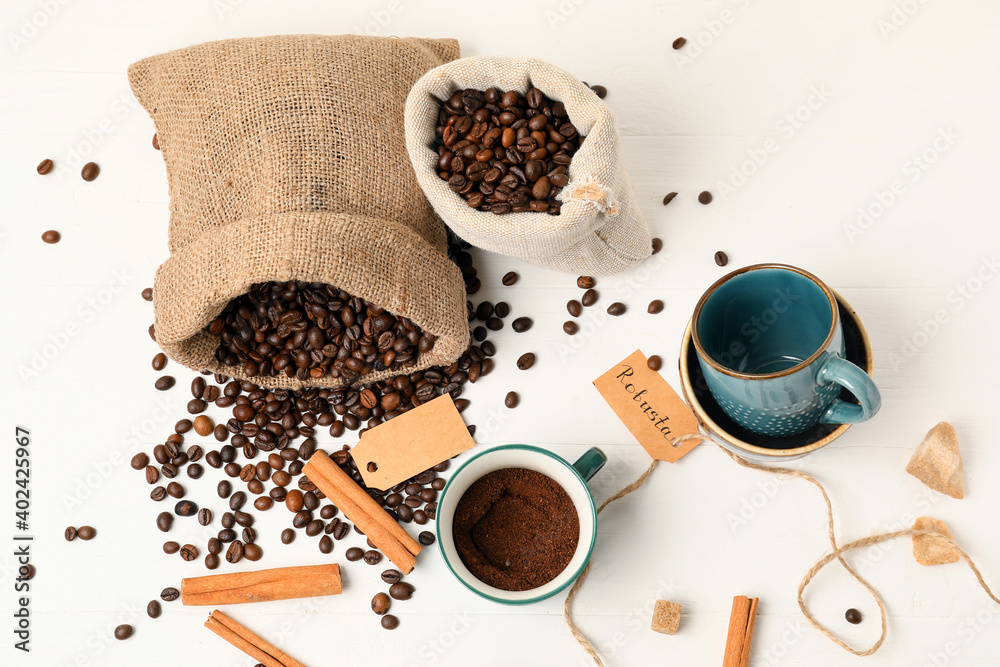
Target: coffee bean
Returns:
[[196, 406], [153, 609], [426, 537], [314, 527], [249, 535], [391, 576], [585, 282], [657, 245], [45, 166], [509, 278], [212, 561], [90, 171], [401, 591], [354, 554], [156, 141], [226, 535], [301, 519], [175, 490], [574, 307], [159, 362], [70, 534], [721, 258], [589, 298], [171, 547], [600, 91], [189, 552], [164, 520], [139, 461], [253, 552], [287, 536], [147, 295], [237, 501], [853, 616], [235, 552], [438, 484], [158, 493], [501, 310], [655, 306], [169, 594], [221, 433], [214, 545], [86, 533], [164, 382], [373, 557], [340, 531], [669, 198], [705, 197], [263, 503], [526, 361], [168, 470], [123, 631], [511, 399], [521, 324], [570, 327], [51, 236], [679, 43], [224, 489], [204, 516], [203, 425], [381, 603], [389, 622], [243, 518], [616, 309], [655, 363], [325, 544]]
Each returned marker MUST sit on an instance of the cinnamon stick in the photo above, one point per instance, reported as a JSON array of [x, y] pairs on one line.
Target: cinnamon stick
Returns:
[[360, 508], [250, 643], [282, 583], [741, 622]]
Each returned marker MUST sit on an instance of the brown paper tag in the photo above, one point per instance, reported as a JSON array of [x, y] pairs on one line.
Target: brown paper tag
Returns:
[[411, 443], [648, 407]]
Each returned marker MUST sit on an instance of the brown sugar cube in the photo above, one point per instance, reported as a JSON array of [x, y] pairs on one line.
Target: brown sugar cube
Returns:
[[938, 461], [666, 617], [931, 550]]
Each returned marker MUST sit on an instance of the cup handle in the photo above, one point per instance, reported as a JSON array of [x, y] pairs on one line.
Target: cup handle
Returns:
[[592, 461], [851, 377]]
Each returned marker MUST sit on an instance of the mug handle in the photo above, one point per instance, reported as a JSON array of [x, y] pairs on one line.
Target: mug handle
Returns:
[[851, 377], [592, 461]]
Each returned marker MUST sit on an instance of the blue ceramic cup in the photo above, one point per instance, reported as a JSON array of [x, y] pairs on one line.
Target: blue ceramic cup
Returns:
[[771, 347]]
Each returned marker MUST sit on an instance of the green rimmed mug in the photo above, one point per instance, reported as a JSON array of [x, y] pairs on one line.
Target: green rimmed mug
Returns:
[[572, 477]]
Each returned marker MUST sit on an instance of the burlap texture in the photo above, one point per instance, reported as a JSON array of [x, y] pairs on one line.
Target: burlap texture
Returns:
[[286, 161], [600, 230]]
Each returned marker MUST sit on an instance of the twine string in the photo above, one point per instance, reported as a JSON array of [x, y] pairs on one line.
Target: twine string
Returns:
[[837, 553]]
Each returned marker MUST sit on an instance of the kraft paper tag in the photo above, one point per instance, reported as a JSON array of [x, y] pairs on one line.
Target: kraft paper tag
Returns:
[[650, 409], [411, 443]]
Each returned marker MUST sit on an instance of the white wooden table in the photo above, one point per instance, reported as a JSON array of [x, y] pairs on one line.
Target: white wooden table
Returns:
[[855, 139]]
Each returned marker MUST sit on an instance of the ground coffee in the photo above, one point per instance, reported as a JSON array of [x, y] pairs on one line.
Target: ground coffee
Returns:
[[516, 529]]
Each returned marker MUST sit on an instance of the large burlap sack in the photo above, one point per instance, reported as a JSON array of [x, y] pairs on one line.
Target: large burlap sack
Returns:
[[600, 230], [285, 160]]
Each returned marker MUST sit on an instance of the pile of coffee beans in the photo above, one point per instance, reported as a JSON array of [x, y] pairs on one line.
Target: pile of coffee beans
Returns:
[[313, 330], [504, 151]]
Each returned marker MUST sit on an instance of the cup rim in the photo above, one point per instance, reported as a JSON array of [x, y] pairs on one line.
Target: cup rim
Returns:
[[707, 358], [558, 589]]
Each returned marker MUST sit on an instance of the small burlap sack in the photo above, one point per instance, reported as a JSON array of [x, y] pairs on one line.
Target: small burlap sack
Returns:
[[285, 160], [600, 230]]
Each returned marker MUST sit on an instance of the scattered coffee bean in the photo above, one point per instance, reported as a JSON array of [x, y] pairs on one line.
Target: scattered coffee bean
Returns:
[[721, 258], [585, 282], [287, 536], [159, 362], [392, 576], [521, 324], [600, 91], [189, 552], [401, 591], [153, 609], [164, 520], [212, 561], [657, 245], [325, 544], [169, 594], [501, 310], [853, 616], [705, 197], [570, 327], [679, 43], [224, 489], [185, 508], [263, 503], [123, 631], [655, 306], [253, 552], [158, 493], [51, 236], [354, 554], [175, 490], [235, 552], [381, 603], [669, 198], [616, 309], [171, 547], [45, 166], [90, 171], [164, 382], [526, 361], [203, 425], [147, 294], [156, 141], [655, 363], [511, 399], [589, 298], [373, 557], [509, 278], [204, 516], [389, 622], [86, 532], [70, 534], [139, 461], [425, 537]]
